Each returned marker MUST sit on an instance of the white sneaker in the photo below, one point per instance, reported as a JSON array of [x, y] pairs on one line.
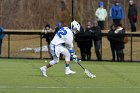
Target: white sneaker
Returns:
[[68, 72], [43, 70]]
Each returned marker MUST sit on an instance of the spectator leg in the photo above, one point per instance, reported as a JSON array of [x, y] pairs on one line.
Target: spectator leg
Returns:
[[97, 49], [116, 21], [82, 51], [120, 55], [49, 52], [101, 24], [113, 52], [88, 50], [117, 53], [133, 26]]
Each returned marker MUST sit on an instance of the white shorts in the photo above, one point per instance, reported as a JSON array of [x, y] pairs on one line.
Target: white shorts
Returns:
[[56, 50]]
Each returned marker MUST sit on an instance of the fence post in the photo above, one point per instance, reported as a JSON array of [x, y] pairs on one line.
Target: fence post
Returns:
[[131, 49], [72, 8], [8, 45], [40, 46], [101, 47]]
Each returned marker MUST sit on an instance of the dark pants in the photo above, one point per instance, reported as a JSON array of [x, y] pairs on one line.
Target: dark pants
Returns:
[[83, 53], [117, 52], [133, 26], [97, 44], [112, 51], [120, 55], [101, 24], [0, 45], [116, 21], [88, 53]]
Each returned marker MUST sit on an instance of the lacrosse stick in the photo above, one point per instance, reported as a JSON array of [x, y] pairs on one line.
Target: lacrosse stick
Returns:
[[89, 74]]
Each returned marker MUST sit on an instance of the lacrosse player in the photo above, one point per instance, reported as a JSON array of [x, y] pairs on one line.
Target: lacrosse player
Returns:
[[64, 35]]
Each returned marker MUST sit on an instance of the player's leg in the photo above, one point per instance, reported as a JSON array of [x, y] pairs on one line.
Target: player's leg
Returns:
[[50, 64], [66, 53], [55, 60]]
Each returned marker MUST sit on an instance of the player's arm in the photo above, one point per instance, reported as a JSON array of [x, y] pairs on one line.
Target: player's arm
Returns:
[[72, 52]]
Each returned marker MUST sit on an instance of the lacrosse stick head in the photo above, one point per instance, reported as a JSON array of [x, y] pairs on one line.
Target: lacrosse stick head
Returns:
[[89, 74]]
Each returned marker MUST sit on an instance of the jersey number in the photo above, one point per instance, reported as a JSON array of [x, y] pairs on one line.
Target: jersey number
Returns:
[[61, 32]]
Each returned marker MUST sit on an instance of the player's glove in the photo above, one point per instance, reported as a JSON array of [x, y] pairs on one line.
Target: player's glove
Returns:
[[75, 59], [73, 56]]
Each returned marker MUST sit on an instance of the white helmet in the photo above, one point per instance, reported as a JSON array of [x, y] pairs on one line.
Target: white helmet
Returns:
[[75, 25]]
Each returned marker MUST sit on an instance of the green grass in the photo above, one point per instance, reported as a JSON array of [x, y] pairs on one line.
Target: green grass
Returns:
[[24, 76]]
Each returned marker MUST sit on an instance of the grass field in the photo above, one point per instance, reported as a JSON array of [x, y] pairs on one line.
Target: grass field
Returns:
[[24, 76]]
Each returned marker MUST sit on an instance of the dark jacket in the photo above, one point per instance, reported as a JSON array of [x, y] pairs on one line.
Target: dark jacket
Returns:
[[48, 36], [117, 39], [132, 12], [83, 39], [95, 32]]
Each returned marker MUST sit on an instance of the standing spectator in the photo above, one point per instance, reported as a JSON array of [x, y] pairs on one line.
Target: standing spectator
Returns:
[[101, 14], [88, 40], [96, 33], [116, 37], [48, 34], [81, 41], [116, 13], [132, 15], [1, 37], [112, 43]]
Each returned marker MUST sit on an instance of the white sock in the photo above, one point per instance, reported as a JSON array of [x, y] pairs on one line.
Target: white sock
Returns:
[[44, 67], [67, 68]]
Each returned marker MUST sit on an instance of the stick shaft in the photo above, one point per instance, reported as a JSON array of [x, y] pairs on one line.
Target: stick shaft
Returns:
[[80, 65]]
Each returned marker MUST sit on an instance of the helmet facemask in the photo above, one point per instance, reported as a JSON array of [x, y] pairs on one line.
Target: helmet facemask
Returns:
[[75, 26]]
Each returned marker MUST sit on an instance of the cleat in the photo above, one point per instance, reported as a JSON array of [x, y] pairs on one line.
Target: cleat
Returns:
[[68, 72], [43, 70], [93, 76]]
